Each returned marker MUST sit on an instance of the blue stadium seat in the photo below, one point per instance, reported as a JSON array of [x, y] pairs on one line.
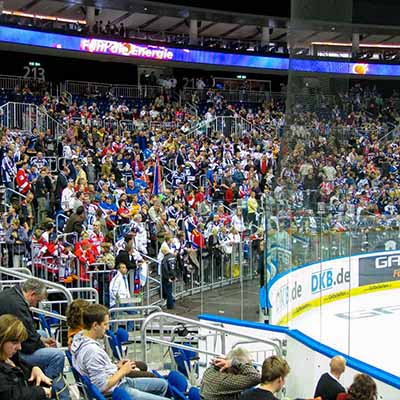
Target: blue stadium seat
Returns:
[[91, 391], [194, 393], [183, 359], [77, 375], [115, 345], [44, 324], [178, 385]]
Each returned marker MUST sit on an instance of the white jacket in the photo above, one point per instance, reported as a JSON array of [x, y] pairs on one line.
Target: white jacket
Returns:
[[119, 289]]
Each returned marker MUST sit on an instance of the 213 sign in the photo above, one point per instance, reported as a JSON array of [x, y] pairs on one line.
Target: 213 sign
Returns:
[[34, 72]]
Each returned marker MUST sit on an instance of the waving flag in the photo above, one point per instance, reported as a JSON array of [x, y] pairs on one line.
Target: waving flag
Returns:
[[157, 189]]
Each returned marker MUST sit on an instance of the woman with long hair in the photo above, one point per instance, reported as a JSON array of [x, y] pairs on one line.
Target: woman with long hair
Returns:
[[18, 380], [74, 318]]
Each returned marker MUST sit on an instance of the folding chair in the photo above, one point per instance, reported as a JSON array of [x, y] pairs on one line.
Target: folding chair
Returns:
[[178, 385], [194, 393], [115, 345], [184, 362], [44, 324]]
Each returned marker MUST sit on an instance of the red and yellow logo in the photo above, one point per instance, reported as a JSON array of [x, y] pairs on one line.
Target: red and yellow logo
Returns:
[[360, 69]]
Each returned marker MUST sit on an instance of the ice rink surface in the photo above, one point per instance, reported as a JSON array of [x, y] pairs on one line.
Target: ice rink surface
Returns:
[[366, 327]]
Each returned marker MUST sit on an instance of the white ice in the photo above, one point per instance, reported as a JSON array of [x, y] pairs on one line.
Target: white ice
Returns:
[[371, 334]]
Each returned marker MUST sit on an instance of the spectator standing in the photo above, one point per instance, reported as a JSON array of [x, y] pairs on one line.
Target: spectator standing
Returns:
[[43, 187], [119, 286], [17, 239]]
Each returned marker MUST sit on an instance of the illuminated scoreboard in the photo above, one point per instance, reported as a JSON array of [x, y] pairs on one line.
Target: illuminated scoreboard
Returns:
[[171, 54]]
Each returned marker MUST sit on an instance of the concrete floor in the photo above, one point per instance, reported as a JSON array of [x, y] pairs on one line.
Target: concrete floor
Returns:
[[229, 301]]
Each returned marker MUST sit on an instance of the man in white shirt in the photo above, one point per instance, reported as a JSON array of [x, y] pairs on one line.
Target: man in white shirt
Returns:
[[120, 295], [68, 196], [119, 286]]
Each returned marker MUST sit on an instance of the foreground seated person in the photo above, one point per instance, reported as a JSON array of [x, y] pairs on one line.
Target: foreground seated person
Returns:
[[17, 379], [362, 388], [226, 378], [36, 350], [91, 360], [329, 386], [273, 374]]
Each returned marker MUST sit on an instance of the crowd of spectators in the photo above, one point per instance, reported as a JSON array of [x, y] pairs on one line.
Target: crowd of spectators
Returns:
[[188, 197], [168, 189]]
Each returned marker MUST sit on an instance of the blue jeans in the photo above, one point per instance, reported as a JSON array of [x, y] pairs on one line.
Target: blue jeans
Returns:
[[167, 294], [145, 388], [51, 361]]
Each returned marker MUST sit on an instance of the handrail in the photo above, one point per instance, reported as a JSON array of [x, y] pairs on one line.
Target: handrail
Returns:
[[23, 270], [397, 127], [48, 313], [13, 191], [88, 290], [61, 215], [136, 308], [11, 272], [172, 317]]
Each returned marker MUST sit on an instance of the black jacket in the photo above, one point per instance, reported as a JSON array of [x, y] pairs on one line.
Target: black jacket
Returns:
[[74, 224], [328, 388], [61, 184], [14, 382], [12, 301], [123, 257], [169, 267]]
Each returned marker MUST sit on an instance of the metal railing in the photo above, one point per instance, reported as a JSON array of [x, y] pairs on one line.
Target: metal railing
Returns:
[[51, 285], [81, 88], [11, 82], [12, 191], [236, 126], [231, 96], [161, 319], [27, 117]]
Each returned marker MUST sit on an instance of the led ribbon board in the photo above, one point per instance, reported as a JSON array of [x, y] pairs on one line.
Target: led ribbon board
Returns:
[[142, 51]]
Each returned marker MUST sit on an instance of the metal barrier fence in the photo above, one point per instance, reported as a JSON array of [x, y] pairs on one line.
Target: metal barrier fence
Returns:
[[11, 82], [26, 117], [80, 88], [210, 340], [229, 126], [231, 96], [131, 318]]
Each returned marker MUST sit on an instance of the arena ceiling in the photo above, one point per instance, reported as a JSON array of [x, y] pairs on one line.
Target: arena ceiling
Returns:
[[157, 19]]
